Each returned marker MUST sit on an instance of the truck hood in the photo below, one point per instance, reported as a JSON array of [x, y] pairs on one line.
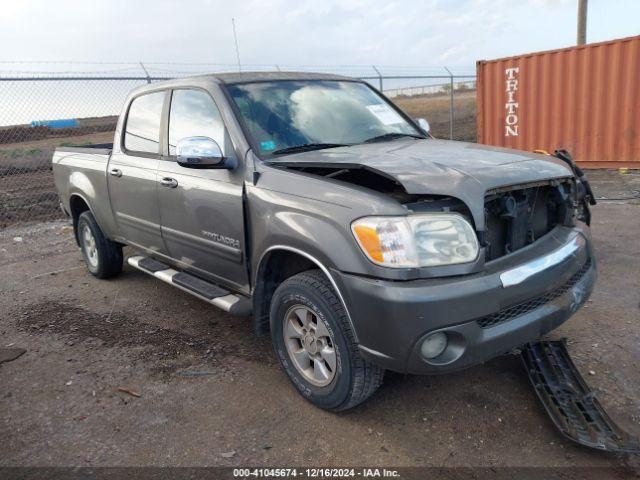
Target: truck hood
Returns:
[[440, 167]]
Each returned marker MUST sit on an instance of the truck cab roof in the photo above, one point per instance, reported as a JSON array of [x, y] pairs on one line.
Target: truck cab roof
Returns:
[[246, 77], [234, 78]]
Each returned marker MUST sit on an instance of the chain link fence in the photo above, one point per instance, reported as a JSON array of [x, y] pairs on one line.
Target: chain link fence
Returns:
[[42, 111]]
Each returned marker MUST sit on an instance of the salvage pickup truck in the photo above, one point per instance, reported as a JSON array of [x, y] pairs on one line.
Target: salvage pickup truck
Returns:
[[314, 204]]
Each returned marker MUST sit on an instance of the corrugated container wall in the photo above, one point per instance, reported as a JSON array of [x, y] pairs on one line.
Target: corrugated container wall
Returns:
[[585, 99]]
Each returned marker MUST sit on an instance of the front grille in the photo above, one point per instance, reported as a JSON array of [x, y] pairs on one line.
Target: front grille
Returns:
[[510, 313]]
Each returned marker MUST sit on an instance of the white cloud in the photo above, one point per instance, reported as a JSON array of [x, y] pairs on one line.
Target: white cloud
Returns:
[[300, 32], [552, 3]]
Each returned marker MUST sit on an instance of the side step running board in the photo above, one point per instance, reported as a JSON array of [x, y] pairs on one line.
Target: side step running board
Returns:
[[569, 402], [213, 294]]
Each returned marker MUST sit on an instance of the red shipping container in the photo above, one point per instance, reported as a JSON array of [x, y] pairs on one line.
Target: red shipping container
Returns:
[[585, 99]]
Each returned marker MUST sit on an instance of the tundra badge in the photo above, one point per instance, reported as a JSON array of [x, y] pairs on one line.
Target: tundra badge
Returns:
[[216, 237]]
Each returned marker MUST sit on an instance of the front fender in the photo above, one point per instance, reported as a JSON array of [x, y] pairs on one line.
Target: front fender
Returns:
[[277, 219]]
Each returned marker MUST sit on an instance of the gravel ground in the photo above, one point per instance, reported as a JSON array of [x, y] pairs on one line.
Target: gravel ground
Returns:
[[211, 393]]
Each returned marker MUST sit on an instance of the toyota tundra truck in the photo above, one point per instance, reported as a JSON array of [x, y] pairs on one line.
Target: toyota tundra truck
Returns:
[[313, 204]]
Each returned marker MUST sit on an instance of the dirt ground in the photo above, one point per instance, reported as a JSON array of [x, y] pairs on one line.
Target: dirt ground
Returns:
[[211, 393]]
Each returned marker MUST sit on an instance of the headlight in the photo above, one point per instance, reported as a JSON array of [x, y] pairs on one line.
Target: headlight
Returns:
[[416, 240]]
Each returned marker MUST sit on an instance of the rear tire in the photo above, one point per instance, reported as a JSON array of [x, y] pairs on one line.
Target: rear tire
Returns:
[[102, 257], [315, 345]]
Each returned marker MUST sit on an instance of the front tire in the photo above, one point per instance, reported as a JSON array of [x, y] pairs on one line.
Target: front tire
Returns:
[[315, 345], [102, 257]]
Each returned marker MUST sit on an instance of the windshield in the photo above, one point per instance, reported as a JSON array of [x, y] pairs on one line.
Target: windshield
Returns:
[[284, 115]]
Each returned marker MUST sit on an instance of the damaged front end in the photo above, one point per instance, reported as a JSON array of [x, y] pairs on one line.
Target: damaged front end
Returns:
[[514, 216], [583, 194], [358, 175], [517, 216]]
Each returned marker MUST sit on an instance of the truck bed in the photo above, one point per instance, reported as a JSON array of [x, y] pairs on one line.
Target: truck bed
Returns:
[[94, 148], [83, 169]]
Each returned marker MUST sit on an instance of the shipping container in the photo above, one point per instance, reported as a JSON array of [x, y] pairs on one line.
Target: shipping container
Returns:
[[585, 99]]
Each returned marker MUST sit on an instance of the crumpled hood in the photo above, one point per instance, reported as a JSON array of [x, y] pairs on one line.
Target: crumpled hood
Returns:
[[441, 167]]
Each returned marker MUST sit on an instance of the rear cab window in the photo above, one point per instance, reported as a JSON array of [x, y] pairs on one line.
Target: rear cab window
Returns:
[[142, 128]]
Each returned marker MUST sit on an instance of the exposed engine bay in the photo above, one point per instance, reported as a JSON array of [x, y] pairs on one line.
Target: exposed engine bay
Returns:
[[518, 216], [359, 175]]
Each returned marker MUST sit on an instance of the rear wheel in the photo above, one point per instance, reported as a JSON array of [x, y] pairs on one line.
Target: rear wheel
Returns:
[[102, 257], [315, 344]]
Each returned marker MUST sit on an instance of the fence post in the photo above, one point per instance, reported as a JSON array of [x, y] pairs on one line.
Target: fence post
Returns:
[[450, 103], [379, 75], [145, 73]]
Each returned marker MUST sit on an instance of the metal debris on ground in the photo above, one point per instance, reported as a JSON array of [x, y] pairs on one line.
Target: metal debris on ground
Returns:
[[190, 373], [570, 402], [129, 392]]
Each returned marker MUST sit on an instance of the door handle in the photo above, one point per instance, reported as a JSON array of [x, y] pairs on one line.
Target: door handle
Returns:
[[115, 172], [169, 182]]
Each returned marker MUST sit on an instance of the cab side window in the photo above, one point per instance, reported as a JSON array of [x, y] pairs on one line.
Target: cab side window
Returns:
[[142, 130], [194, 114]]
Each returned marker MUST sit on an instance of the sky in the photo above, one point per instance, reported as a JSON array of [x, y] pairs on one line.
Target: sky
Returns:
[[389, 34], [417, 37]]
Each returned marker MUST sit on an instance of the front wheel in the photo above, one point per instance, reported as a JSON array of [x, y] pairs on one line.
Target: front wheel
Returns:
[[102, 257], [315, 345]]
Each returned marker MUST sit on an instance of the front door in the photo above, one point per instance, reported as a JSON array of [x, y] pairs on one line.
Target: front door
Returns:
[[201, 210], [132, 173]]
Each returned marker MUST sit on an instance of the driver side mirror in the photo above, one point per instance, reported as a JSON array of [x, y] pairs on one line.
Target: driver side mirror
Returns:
[[424, 125], [200, 152]]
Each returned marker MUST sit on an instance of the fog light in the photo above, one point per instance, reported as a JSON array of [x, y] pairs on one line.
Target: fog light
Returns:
[[434, 345]]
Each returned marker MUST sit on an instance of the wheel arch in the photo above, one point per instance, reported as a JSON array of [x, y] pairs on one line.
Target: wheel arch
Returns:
[[77, 205], [267, 279]]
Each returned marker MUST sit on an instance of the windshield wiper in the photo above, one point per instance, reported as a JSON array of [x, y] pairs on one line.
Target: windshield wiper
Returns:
[[391, 136], [307, 147]]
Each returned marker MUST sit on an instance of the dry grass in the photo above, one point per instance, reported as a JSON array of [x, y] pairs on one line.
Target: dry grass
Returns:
[[27, 192], [435, 108]]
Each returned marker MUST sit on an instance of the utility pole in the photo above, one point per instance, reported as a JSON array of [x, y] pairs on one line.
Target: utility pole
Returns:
[[582, 22], [235, 39]]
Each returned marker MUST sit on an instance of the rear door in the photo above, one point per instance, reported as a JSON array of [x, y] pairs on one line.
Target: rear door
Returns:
[[132, 173], [201, 210]]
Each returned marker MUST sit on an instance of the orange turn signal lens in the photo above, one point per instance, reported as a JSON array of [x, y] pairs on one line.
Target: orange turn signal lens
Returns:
[[369, 241]]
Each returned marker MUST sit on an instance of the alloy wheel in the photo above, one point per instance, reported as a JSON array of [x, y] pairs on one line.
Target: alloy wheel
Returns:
[[310, 345]]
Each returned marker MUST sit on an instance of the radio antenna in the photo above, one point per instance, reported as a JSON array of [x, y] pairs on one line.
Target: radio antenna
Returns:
[[235, 38]]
